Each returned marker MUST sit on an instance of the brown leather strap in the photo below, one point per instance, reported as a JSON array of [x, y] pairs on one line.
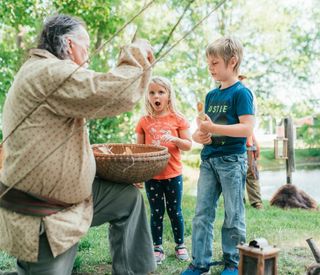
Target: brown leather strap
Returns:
[[30, 204]]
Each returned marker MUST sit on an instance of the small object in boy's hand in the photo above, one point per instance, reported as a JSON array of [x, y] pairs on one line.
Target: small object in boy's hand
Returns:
[[200, 108]]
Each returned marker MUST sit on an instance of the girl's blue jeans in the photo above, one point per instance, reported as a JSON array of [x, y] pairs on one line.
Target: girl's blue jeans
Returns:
[[224, 175]]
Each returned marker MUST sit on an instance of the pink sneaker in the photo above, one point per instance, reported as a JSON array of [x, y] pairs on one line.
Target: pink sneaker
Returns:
[[182, 252], [158, 254]]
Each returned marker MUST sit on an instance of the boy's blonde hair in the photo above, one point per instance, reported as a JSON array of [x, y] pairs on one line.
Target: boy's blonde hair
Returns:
[[166, 84], [226, 48]]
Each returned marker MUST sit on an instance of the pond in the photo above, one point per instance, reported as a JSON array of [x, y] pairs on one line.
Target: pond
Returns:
[[305, 178]]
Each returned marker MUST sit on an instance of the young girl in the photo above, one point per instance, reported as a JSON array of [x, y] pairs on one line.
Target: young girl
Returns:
[[164, 125]]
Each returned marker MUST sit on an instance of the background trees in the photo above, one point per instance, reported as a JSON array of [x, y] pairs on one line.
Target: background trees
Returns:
[[281, 40]]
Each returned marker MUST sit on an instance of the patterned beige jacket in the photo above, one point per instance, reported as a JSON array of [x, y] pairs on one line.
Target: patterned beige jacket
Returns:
[[67, 174]]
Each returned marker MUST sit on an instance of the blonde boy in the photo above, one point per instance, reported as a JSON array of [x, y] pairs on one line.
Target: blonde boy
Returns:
[[229, 121]]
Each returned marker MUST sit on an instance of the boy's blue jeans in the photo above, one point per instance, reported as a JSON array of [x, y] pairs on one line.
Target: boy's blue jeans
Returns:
[[226, 175]]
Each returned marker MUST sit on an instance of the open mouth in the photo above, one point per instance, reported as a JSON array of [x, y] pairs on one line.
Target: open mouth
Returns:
[[157, 103]]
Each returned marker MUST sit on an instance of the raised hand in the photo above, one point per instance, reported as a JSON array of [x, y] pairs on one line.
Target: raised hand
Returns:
[[146, 47]]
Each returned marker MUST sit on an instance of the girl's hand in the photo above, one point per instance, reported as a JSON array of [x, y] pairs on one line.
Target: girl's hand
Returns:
[[138, 185], [168, 138]]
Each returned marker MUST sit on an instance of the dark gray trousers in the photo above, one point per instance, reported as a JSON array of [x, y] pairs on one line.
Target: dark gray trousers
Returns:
[[130, 240]]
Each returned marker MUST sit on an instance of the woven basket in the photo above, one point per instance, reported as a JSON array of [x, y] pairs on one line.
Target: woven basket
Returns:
[[129, 163]]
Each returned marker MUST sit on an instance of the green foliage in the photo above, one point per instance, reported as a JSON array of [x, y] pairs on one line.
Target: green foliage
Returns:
[[115, 129], [281, 59], [6, 261], [311, 133], [100, 20], [9, 61], [22, 20], [18, 13]]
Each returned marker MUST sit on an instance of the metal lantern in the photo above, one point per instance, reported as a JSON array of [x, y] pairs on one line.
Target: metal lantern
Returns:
[[281, 148]]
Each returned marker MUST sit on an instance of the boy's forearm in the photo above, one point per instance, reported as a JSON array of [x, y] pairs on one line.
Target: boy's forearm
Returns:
[[234, 130]]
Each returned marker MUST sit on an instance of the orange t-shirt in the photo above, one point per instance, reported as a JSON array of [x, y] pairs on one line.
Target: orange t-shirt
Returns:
[[153, 128]]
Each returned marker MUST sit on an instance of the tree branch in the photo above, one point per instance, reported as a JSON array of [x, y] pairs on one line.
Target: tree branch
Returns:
[[173, 29]]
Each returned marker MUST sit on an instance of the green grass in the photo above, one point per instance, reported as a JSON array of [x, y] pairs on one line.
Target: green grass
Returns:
[[287, 229]]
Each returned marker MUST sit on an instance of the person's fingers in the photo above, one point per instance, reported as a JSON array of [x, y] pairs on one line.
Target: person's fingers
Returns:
[[150, 57], [167, 138], [146, 46], [208, 141], [138, 185], [208, 118]]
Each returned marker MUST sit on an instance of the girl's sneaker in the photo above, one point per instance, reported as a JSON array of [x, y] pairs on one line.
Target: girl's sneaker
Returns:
[[182, 252], [158, 254]]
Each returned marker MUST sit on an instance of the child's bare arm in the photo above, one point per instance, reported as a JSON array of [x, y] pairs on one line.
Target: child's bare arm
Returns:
[[183, 142], [140, 139], [242, 129]]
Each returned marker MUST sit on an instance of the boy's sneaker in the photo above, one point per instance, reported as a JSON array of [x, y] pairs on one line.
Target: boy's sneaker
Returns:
[[159, 254], [192, 270], [230, 271], [181, 253]]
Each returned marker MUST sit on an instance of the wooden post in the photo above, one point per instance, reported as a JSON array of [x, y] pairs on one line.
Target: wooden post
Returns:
[[290, 163], [315, 250]]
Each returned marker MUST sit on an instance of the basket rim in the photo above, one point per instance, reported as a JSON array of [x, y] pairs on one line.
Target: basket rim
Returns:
[[127, 158], [163, 150]]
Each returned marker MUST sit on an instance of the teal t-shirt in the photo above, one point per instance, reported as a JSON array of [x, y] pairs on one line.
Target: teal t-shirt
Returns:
[[224, 106]]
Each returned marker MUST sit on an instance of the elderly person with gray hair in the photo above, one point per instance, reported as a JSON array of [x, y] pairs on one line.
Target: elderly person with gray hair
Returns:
[[49, 162]]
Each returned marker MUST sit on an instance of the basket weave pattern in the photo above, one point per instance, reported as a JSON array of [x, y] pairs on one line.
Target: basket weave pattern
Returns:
[[129, 163]]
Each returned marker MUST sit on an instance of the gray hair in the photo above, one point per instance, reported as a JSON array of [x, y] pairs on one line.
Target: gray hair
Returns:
[[54, 33], [226, 48]]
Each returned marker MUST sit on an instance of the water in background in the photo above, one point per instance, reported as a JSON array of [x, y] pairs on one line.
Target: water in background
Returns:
[[306, 179]]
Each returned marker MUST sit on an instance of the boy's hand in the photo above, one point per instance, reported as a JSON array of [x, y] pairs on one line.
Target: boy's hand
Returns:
[[205, 126], [202, 137]]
